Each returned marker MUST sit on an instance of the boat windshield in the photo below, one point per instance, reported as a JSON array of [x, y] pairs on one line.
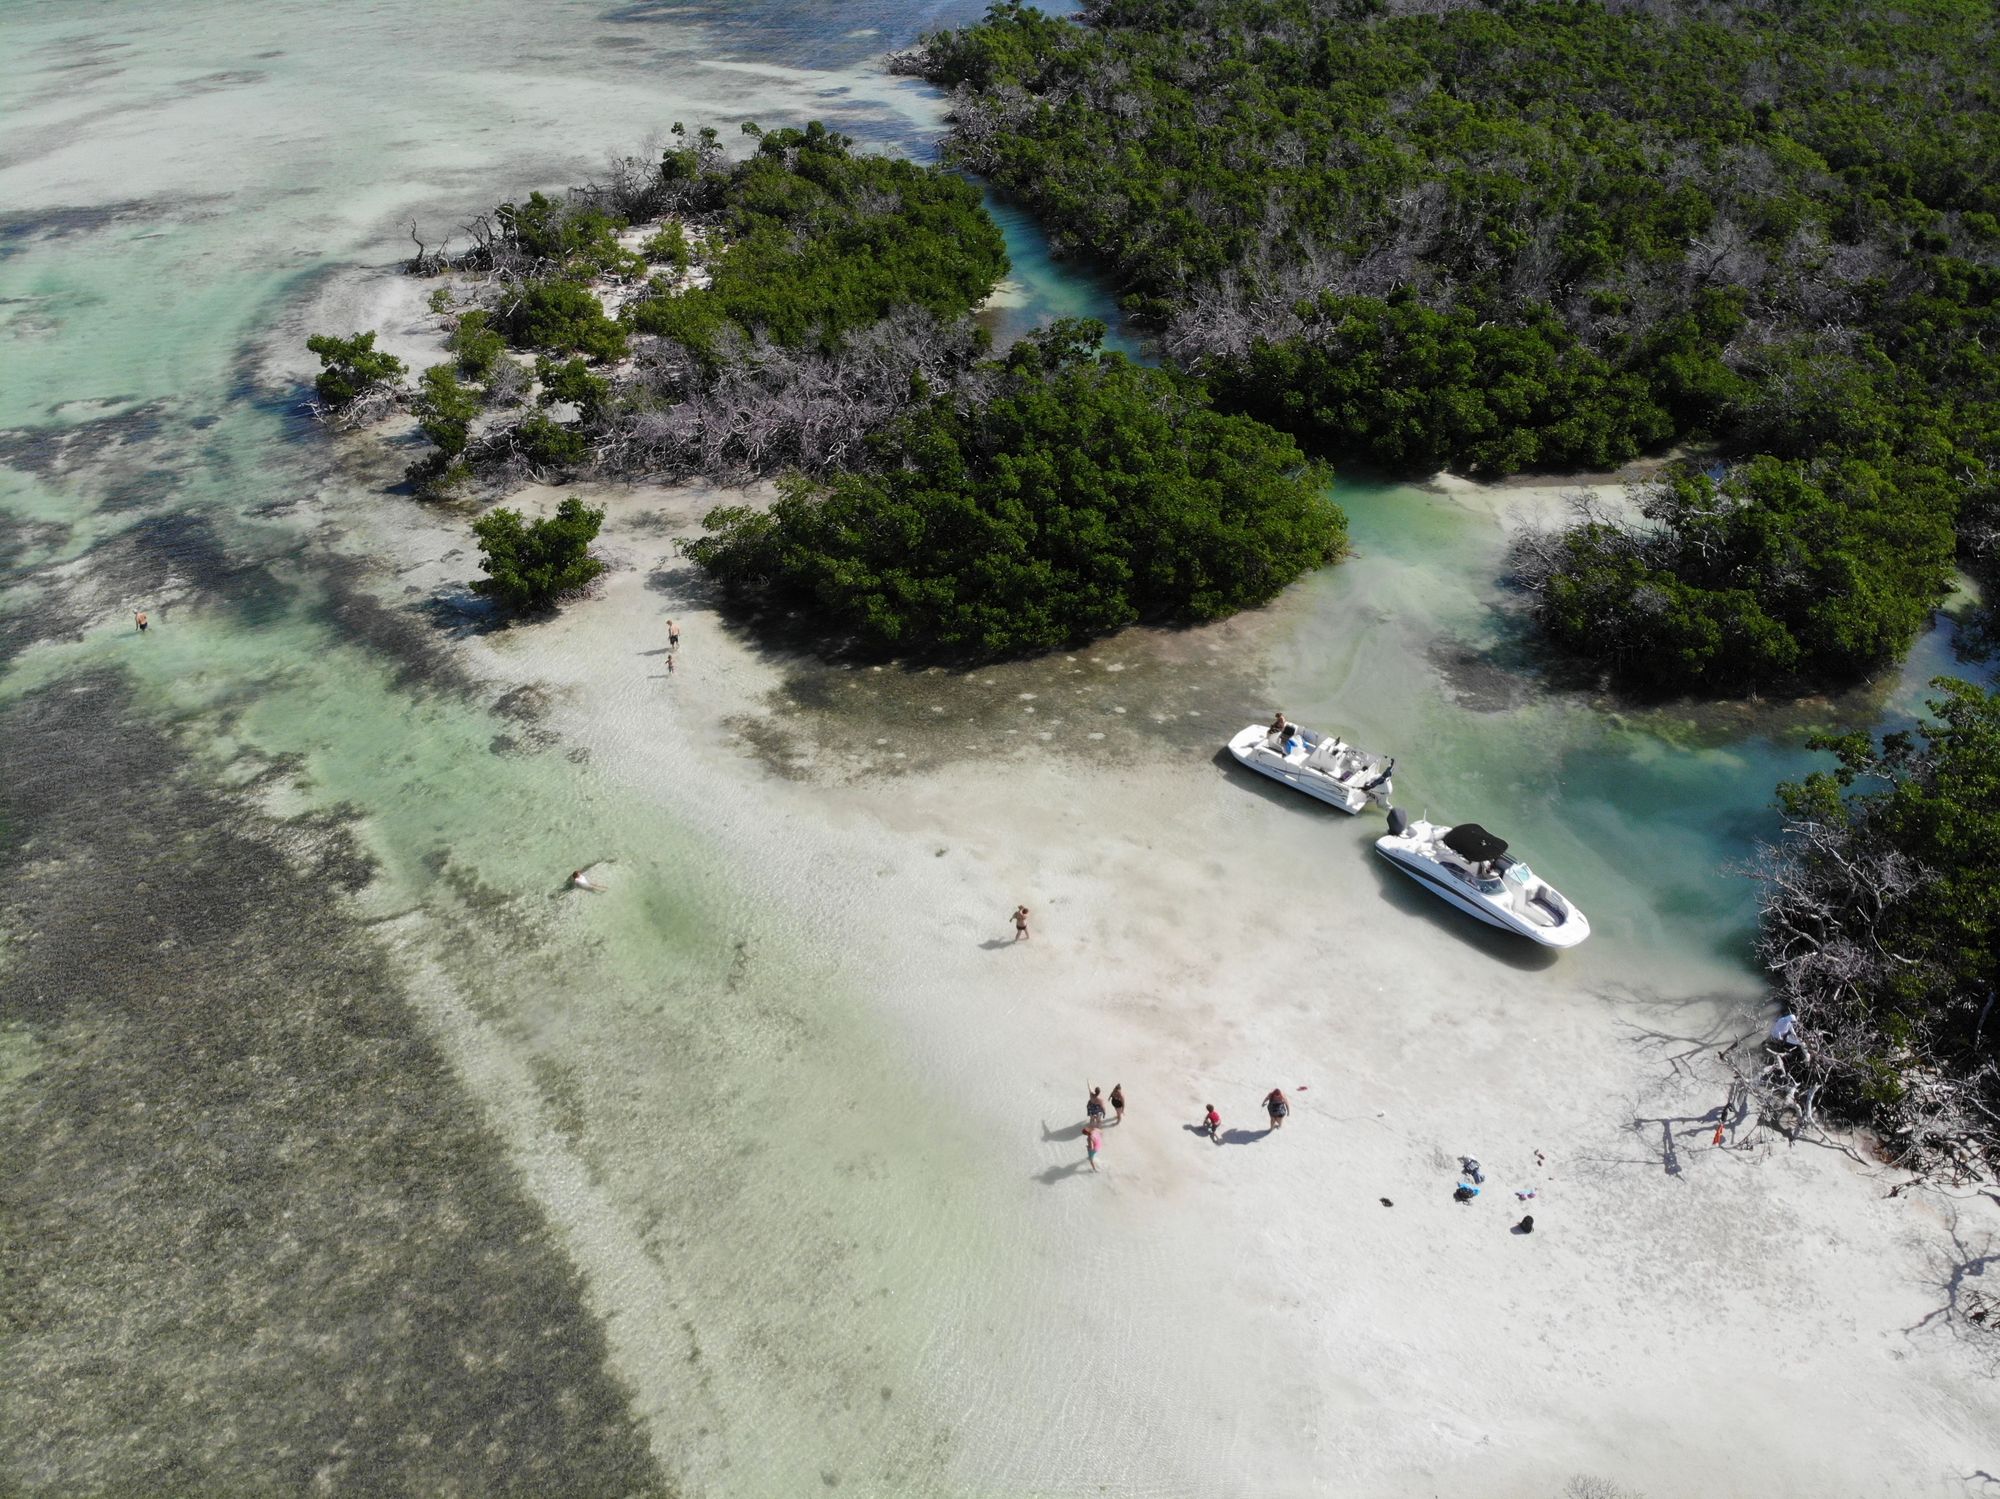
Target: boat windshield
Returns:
[[1520, 874]]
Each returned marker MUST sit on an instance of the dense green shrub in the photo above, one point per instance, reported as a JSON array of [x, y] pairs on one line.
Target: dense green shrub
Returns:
[[566, 318], [577, 237], [351, 367], [548, 444], [531, 565], [669, 247], [817, 242], [445, 409], [1413, 389], [571, 382], [477, 343], [1777, 571], [1087, 494]]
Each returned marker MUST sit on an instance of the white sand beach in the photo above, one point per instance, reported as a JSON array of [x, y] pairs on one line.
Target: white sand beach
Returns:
[[1759, 1317]]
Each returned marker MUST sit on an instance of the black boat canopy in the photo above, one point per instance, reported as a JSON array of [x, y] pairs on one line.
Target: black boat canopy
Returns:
[[1471, 841]]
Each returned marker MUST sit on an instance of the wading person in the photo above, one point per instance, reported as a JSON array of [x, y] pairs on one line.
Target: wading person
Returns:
[[139, 619], [1093, 1141], [1118, 1102], [1093, 1108], [1277, 1106], [1020, 922], [673, 636]]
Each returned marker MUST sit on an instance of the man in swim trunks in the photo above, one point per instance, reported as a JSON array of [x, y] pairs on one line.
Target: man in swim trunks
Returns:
[[1020, 922], [1093, 1109], [1278, 1107]]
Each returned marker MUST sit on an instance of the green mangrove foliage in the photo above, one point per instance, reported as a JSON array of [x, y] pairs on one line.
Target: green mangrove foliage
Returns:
[[1882, 931], [1084, 493], [564, 317], [826, 282], [445, 411], [1507, 235], [351, 368], [477, 343], [818, 242], [532, 565], [1772, 572]]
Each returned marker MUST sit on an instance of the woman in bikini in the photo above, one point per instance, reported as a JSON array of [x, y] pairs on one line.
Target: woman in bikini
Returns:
[[1278, 1106]]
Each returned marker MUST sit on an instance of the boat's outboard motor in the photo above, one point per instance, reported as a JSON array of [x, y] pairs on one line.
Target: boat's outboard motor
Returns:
[[1399, 822]]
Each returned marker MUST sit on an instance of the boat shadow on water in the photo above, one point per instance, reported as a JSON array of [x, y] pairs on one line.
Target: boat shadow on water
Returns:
[[1400, 891]]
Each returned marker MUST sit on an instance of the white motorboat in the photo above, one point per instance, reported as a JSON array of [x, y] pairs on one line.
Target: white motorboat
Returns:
[[1470, 868], [1321, 765]]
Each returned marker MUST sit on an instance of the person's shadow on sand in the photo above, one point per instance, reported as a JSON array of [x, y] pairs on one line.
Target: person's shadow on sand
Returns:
[[995, 944], [1054, 1174], [1229, 1136], [1067, 1132]]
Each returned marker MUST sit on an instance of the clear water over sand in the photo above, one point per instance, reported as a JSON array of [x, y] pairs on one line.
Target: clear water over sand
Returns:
[[808, 1269]]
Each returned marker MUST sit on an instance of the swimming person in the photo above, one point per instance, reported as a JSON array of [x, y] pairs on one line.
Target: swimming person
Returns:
[[1118, 1102], [1094, 1108], [1093, 1141], [583, 881], [1020, 922], [1278, 1106]]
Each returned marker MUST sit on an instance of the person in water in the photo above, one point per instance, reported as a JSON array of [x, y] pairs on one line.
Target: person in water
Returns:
[[1020, 922], [1118, 1102], [1278, 1106], [583, 881], [139, 619], [1093, 1108], [1093, 1141], [1213, 1123]]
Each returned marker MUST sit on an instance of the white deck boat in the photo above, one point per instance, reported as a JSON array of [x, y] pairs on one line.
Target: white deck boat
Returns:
[[1470, 868], [1321, 765]]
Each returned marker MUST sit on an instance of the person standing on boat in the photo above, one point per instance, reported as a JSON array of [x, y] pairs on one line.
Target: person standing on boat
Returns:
[[1278, 1106]]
